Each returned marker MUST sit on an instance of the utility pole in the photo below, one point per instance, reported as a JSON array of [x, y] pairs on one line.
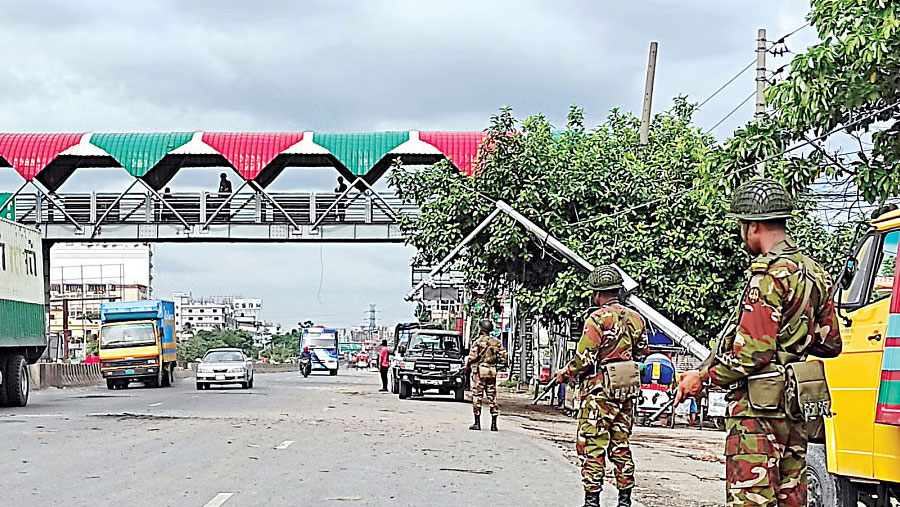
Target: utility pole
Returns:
[[761, 83], [372, 312], [648, 94]]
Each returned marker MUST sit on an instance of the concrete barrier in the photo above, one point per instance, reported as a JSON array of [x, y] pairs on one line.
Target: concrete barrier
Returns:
[[45, 375]]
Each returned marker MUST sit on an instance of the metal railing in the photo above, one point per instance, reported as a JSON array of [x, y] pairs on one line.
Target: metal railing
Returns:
[[198, 208]]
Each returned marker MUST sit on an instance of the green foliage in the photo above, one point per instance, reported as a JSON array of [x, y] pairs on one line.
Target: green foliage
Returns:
[[603, 196], [283, 346], [195, 347], [852, 74]]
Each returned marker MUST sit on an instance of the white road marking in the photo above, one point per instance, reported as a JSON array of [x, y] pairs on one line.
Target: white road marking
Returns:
[[155, 404], [284, 445], [218, 500]]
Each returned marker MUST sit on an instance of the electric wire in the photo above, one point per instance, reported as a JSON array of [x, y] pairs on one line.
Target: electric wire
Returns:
[[740, 169], [732, 112], [740, 72]]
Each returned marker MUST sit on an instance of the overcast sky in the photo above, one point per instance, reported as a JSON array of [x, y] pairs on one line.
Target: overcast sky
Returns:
[[93, 66]]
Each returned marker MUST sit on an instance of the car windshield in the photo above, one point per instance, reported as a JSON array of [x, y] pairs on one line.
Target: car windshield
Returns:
[[427, 341], [224, 356], [127, 335]]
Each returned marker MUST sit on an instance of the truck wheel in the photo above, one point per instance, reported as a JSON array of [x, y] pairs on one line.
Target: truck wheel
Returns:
[[822, 488], [405, 389], [332, 372], [395, 387], [110, 384], [460, 394], [15, 378], [167, 376], [250, 384]]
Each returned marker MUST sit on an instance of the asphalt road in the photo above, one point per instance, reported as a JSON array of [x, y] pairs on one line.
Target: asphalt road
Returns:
[[289, 441]]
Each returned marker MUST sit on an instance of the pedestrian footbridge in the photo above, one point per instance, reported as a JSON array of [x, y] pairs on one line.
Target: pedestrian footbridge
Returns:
[[144, 212]]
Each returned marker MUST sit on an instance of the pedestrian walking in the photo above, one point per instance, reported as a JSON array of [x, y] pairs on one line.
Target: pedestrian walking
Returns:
[[224, 185], [341, 208], [384, 363], [786, 313], [613, 340], [485, 355]]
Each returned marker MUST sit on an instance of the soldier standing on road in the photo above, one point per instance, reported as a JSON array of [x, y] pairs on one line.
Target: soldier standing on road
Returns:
[[786, 313], [485, 355], [612, 334]]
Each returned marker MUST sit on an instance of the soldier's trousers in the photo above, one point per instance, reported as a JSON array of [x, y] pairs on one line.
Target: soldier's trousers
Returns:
[[604, 427], [765, 462], [485, 388]]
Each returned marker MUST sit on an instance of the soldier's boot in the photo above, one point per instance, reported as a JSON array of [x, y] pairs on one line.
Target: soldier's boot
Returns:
[[493, 423], [592, 499], [624, 498], [477, 425]]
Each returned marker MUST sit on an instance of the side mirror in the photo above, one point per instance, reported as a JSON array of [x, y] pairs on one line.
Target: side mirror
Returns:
[[402, 349], [198, 360], [847, 275]]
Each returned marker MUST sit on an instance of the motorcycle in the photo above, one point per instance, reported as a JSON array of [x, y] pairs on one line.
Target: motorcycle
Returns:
[[305, 366]]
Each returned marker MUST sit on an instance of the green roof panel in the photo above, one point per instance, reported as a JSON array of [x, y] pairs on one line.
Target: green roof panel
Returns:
[[360, 152], [140, 152]]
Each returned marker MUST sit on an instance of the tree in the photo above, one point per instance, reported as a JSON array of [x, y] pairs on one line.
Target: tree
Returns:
[[851, 78], [600, 193], [196, 346]]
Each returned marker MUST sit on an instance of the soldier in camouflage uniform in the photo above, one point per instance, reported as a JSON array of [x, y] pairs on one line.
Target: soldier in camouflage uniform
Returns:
[[611, 333], [485, 355], [786, 313]]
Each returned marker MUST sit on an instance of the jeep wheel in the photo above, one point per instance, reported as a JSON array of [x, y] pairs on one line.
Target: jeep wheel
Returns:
[[405, 390], [395, 386], [460, 394]]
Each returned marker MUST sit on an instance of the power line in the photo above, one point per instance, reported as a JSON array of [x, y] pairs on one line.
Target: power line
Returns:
[[740, 169], [752, 62], [752, 94]]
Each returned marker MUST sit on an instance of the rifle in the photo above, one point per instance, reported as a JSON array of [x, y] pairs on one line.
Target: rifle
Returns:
[[547, 390], [666, 406]]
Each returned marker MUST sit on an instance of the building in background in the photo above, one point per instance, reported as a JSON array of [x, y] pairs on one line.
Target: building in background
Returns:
[[211, 313], [83, 277]]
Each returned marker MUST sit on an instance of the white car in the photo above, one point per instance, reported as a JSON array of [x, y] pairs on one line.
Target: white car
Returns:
[[225, 366]]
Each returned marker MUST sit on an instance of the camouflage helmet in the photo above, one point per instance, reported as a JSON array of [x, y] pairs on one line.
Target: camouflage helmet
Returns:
[[486, 325], [761, 199], [605, 277]]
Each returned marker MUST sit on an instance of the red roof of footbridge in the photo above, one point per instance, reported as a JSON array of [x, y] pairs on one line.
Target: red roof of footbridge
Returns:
[[360, 154], [29, 154]]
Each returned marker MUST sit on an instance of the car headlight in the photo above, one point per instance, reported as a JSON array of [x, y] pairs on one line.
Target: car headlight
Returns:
[[239, 369]]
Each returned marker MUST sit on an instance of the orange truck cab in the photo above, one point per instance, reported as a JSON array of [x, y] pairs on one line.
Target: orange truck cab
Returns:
[[859, 461]]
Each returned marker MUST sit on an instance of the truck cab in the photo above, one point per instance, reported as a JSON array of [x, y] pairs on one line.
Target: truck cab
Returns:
[[862, 439], [137, 343]]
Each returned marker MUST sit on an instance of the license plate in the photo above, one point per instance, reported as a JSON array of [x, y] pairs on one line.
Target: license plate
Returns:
[[220, 377], [129, 372], [432, 382]]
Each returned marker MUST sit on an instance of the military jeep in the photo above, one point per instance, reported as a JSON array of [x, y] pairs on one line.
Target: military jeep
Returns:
[[431, 360]]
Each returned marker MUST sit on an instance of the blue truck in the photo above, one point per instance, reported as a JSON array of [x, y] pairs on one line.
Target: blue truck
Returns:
[[137, 343]]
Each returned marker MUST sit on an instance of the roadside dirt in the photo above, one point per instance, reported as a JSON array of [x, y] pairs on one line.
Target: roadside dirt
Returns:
[[678, 467]]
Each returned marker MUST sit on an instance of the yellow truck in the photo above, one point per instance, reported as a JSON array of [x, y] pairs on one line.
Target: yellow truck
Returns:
[[859, 461], [137, 343]]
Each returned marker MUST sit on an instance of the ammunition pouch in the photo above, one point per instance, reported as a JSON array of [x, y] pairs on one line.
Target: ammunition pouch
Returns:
[[806, 396], [622, 379], [487, 371], [765, 388]]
